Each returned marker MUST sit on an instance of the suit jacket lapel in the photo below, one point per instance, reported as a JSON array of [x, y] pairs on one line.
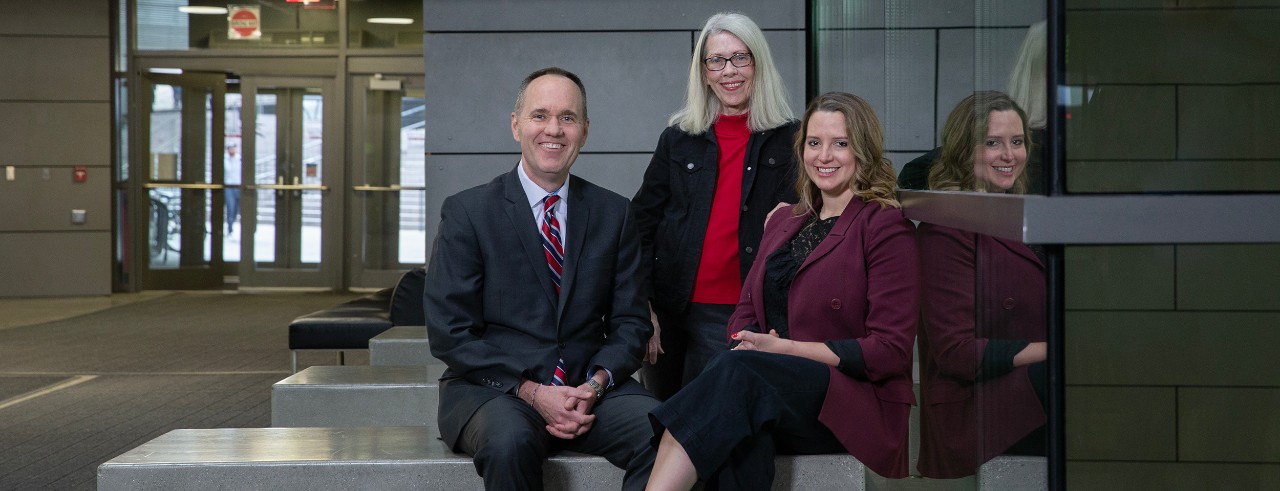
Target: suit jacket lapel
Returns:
[[517, 208], [579, 221], [838, 232]]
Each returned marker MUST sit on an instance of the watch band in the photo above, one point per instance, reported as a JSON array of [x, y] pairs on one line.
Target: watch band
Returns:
[[595, 386]]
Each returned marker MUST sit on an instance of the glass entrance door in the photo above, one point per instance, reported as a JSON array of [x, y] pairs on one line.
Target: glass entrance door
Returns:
[[181, 139], [291, 221], [387, 191]]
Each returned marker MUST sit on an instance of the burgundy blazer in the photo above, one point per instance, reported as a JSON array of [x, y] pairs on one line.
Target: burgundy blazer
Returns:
[[861, 282], [976, 288]]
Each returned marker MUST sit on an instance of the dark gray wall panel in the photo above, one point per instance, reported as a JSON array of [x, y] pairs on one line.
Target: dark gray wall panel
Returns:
[[633, 80], [43, 133], [788, 56], [74, 69], [46, 203], [56, 264], [61, 17], [448, 174], [580, 15]]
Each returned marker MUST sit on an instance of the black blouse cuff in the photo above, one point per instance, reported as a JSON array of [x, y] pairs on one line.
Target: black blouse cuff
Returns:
[[997, 359], [850, 354]]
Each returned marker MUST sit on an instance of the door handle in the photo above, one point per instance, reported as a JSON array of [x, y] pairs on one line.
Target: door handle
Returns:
[[393, 187], [178, 185]]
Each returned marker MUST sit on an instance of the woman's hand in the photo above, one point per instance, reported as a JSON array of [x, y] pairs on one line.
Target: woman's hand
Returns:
[[754, 341], [654, 346]]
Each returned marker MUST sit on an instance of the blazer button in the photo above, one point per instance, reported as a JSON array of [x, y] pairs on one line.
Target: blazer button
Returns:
[[1008, 303], [770, 160], [744, 207], [690, 166], [748, 167], [835, 304], [750, 250]]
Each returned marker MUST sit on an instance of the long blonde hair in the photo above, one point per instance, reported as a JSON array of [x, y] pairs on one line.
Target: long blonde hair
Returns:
[[768, 104], [874, 179], [965, 127]]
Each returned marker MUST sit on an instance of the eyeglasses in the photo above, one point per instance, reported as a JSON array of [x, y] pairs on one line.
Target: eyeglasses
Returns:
[[716, 63]]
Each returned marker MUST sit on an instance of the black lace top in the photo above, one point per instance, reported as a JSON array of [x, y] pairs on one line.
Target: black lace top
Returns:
[[780, 270]]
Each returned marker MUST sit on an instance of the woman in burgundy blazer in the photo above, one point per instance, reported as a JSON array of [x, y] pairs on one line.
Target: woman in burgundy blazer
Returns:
[[982, 338], [825, 323]]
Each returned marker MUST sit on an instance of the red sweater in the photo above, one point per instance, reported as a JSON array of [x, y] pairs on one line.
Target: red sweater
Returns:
[[719, 280]]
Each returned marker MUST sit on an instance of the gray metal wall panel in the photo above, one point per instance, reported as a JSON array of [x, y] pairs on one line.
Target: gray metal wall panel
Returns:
[[788, 56], [580, 15], [633, 80], [46, 204], [74, 69], [61, 17], [56, 264], [43, 133], [620, 173]]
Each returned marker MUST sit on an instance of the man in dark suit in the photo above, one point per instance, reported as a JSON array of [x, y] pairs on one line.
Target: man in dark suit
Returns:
[[533, 301]]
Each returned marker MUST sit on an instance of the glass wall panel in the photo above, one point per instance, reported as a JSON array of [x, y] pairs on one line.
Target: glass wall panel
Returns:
[[959, 88], [917, 61]]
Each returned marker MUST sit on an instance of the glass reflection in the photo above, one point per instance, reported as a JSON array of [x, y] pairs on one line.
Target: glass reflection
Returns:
[[1026, 89], [982, 335]]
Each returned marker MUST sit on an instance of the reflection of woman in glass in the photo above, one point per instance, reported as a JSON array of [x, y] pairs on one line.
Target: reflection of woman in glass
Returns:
[[982, 340], [720, 167], [825, 325]]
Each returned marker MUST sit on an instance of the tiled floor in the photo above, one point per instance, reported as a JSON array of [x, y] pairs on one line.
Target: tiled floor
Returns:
[[83, 380]]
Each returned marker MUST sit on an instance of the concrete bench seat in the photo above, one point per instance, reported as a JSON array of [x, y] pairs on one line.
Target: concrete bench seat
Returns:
[[401, 346], [345, 396], [1014, 472], [376, 458]]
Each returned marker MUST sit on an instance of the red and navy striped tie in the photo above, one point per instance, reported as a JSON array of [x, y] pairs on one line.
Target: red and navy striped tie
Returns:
[[553, 246]]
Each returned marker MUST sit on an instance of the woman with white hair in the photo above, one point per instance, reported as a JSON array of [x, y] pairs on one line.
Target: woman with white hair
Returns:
[[721, 166]]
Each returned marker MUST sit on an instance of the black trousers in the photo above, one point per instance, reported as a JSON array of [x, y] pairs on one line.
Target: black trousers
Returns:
[[509, 442], [746, 408], [689, 342]]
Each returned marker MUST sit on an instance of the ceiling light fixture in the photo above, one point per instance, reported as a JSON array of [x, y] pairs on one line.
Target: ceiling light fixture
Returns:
[[198, 10], [390, 20]]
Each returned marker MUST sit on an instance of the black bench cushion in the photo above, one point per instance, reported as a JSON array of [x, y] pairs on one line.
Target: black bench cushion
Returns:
[[406, 300], [349, 325]]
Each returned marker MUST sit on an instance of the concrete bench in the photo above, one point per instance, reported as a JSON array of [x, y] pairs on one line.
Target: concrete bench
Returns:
[[1014, 472], [345, 396], [401, 346], [376, 458]]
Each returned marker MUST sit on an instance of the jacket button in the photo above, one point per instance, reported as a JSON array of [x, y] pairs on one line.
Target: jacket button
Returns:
[[690, 166], [744, 207], [750, 250], [561, 345], [748, 168], [770, 160], [1008, 303], [835, 304]]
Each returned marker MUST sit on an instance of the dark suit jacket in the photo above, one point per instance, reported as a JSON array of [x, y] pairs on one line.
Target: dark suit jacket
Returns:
[[492, 314], [861, 283], [977, 288]]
